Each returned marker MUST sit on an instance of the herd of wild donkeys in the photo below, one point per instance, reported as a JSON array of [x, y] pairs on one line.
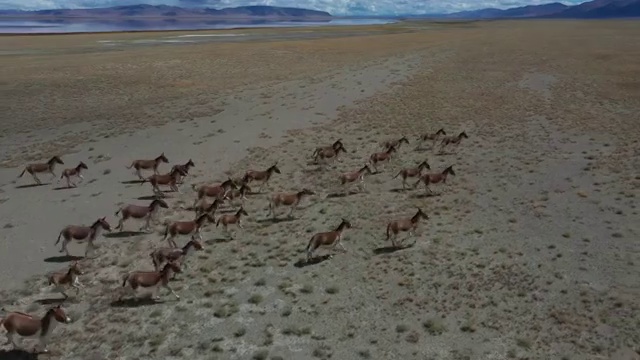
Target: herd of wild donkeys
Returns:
[[170, 260]]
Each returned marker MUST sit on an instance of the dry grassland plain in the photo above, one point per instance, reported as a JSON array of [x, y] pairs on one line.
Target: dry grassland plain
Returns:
[[531, 250]]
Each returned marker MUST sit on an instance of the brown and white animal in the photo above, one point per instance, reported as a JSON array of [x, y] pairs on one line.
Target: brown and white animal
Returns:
[[330, 239], [184, 169], [287, 199], [431, 136], [452, 140], [139, 212], [328, 152], [80, 233], [434, 178], [63, 279], [381, 157], [38, 168], [240, 193], [395, 143], [351, 177], [216, 191], [148, 165], [412, 172], [404, 224], [192, 227], [261, 176], [151, 279], [76, 171], [31, 326], [170, 179], [231, 219], [166, 254], [203, 207]]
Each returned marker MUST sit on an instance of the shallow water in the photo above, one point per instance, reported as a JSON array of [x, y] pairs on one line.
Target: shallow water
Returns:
[[18, 26]]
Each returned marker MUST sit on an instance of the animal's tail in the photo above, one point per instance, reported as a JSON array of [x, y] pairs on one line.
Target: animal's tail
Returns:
[[218, 221], [59, 235], [125, 277], [130, 166], [166, 231], [22, 173], [397, 174], [388, 231], [194, 187], [118, 212], [153, 260], [315, 152]]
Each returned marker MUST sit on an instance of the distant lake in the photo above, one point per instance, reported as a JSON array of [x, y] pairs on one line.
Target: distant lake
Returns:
[[19, 26]]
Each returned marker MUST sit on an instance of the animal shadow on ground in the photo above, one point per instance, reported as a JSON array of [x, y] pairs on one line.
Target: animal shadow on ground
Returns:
[[17, 355], [314, 261], [64, 187], [341, 195], [131, 182], [62, 258], [124, 234], [275, 220], [217, 241], [51, 301], [135, 302], [424, 195], [150, 197], [399, 190], [391, 249], [31, 185]]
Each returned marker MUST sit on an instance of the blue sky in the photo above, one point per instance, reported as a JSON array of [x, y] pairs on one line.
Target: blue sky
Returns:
[[335, 7]]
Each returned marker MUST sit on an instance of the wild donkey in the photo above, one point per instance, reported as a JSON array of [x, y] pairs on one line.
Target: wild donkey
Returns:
[[412, 172], [69, 278], [192, 228], [38, 168], [287, 199], [431, 136], [151, 279], [380, 157], [170, 254], [76, 171], [261, 176], [148, 165], [328, 152], [81, 233], [330, 239], [435, 178], [139, 212], [217, 190], [452, 140], [170, 179], [404, 224], [31, 326], [184, 169]]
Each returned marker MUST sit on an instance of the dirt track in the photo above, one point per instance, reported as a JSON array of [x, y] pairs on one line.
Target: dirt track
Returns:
[[530, 250]]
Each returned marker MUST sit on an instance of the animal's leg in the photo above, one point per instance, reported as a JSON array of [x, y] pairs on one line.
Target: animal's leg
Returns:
[[81, 177], [11, 340], [342, 246], [173, 292], [53, 175], [404, 183], [139, 174], [291, 211], [120, 224], [42, 344], [240, 225], [33, 174], [147, 224]]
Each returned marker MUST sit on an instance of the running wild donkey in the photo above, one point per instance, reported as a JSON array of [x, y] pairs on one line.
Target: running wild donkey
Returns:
[[38, 168], [148, 165], [81, 233], [31, 326]]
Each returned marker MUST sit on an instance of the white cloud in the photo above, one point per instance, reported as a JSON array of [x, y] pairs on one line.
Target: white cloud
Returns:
[[335, 7]]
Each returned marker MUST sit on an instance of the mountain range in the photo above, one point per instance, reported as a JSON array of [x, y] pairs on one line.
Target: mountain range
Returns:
[[156, 11], [596, 9]]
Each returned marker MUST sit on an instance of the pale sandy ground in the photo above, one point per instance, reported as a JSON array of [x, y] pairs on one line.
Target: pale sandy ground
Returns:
[[530, 252]]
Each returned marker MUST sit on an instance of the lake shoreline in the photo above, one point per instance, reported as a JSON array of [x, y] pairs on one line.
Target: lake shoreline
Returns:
[[50, 26]]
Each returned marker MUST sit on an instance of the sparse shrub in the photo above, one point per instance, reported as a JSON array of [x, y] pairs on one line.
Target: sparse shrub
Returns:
[[256, 299], [434, 326], [401, 328], [332, 290], [307, 289], [240, 332]]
